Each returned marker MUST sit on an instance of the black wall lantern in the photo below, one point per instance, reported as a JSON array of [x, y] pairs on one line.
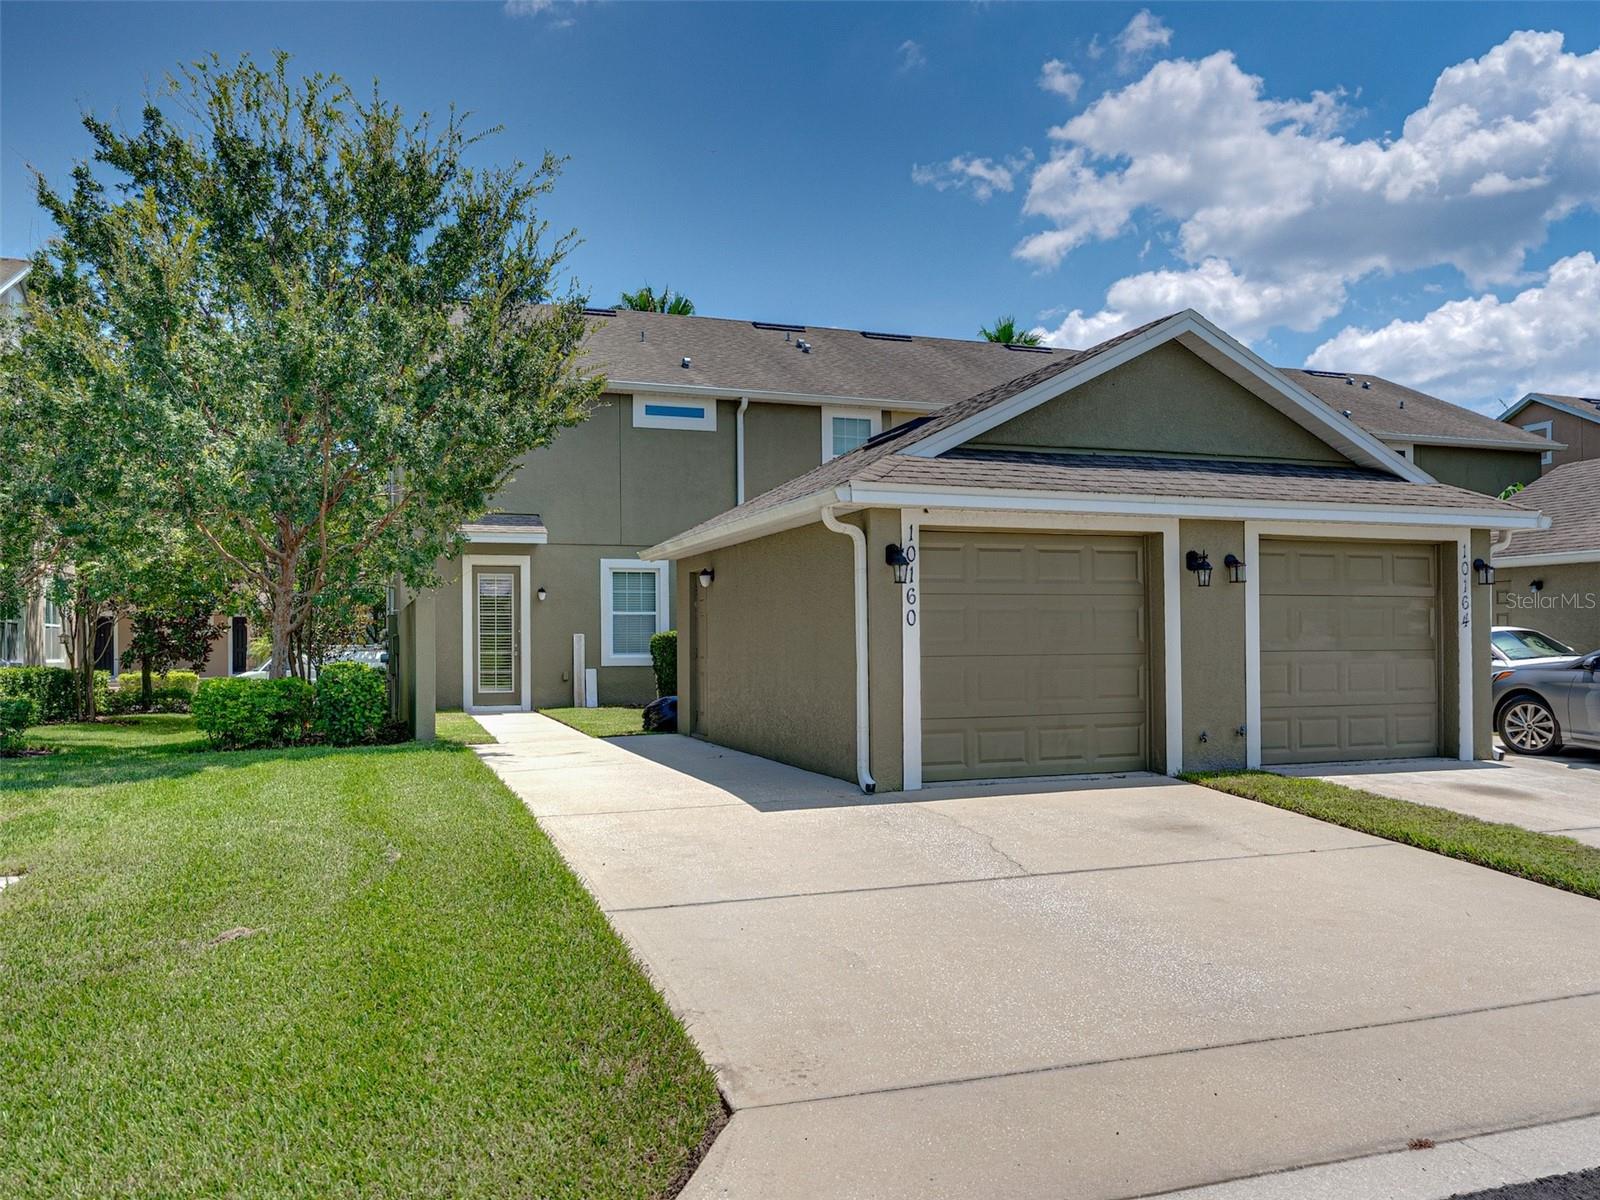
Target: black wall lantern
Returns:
[[1235, 566], [900, 561], [1197, 562], [541, 593], [1536, 585], [706, 576], [1485, 572]]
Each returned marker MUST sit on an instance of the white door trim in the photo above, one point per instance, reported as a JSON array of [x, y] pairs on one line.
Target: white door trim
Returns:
[[1255, 530], [913, 520], [910, 659], [524, 641]]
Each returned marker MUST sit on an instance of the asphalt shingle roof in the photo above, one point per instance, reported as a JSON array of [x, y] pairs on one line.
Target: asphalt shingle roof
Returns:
[[505, 525], [1394, 411], [737, 356], [1582, 403], [12, 269], [1570, 496]]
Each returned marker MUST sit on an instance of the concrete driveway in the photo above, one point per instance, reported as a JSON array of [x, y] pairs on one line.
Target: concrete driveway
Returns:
[[1089, 989], [1558, 794]]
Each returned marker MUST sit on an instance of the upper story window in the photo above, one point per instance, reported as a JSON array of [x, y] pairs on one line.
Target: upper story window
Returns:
[[633, 609], [1546, 430], [674, 412], [843, 429], [54, 651]]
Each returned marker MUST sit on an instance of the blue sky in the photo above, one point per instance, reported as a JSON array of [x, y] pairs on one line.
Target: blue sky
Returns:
[[893, 166]]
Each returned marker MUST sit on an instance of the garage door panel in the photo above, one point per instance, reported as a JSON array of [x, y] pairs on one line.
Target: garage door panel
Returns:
[[1390, 568], [1350, 636], [1047, 685], [1009, 747], [1035, 654]]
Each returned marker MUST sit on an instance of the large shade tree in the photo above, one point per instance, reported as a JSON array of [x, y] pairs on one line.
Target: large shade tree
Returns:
[[316, 332]]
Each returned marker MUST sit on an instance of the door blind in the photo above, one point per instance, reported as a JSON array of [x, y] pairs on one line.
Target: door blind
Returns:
[[494, 633]]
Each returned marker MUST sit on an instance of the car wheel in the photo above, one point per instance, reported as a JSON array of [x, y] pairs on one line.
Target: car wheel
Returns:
[[1528, 726]]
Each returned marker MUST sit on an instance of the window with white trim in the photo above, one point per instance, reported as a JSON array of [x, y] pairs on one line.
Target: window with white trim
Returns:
[[844, 429], [633, 609], [11, 640], [54, 651], [1546, 430], [674, 412]]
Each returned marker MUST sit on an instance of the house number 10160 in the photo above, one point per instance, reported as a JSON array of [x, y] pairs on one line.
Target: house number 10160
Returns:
[[911, 582]]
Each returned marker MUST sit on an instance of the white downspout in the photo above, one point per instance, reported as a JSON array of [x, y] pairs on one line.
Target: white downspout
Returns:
[[858, 541], [738, 461]]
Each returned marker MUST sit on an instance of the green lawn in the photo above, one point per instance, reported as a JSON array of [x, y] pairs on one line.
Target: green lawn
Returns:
[[315, 973], [600, 722], [453, 725], [1544, 857]]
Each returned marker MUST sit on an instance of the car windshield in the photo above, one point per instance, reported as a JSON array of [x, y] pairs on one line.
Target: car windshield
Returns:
[[1517, 644]]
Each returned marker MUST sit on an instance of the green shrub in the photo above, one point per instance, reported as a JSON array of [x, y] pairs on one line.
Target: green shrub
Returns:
[[240, 714], [16, 714], [664, 658], [50, 688], [352, 702], [178, 681], [123, 700], [169, 699]]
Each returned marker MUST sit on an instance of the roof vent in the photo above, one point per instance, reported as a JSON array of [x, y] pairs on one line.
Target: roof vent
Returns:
[[1402, 401], [1029, 349], [886, 337], [805, 346], [779, 326], [1366, 383], [687, 362], [1325, 374], [1347, 414], [1349, 381], [599, 312]]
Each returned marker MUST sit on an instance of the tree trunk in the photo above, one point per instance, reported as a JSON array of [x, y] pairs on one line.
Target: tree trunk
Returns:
[[282, 618], [84, 619], [147, 687]]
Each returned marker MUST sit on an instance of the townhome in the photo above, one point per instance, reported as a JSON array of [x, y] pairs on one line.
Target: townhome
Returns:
[[1570, 423]]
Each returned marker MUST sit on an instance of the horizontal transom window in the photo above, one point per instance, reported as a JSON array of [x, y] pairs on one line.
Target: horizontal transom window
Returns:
[[674, 412]]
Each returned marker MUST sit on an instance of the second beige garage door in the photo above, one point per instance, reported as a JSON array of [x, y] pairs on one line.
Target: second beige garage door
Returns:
[[1349, 650], [1034, 654]]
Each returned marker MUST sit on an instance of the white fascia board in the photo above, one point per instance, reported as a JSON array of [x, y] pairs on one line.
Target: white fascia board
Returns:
[[790, 515], [631, 386], [1549, 402], [1219, 350], [1429, 439], [18, 278], [891, 495], [1554, 558]]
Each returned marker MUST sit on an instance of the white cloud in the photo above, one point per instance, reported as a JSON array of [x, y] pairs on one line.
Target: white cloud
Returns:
[[983, 177], [1506, 144], [1243, 308], [527, 8], [1145, 33], [1054, 77], [1484, 350], [909, 56]]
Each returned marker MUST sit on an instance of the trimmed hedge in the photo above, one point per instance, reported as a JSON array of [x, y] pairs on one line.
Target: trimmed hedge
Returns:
[[664, 660], [352, 703], [243, 714], [50, 688], [16, 714], [169, 693]]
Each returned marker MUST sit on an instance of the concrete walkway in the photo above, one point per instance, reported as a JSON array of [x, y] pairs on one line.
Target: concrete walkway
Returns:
[[1093, 990], [1560, 794]]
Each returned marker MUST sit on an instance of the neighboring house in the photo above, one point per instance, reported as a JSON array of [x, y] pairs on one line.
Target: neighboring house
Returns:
[[1572, 423], [1453, 444], [1549, 579], [1054, 617]]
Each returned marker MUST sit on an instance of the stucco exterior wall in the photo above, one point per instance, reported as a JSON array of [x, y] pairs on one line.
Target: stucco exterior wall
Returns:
[[1487, 471], [1582, 437], [1214, 703], [886, 729], [779, 656], [1166, 401], [1567, 607], [781, 441]]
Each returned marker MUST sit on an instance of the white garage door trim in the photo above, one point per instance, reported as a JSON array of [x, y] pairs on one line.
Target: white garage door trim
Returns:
[[911, 522], [1254, 531]]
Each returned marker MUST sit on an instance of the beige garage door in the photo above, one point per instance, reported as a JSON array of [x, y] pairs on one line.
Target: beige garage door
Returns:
[[1034, 654], [1349, 650]]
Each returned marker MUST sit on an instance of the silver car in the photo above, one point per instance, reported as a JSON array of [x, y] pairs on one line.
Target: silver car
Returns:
[[1543, 699]]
